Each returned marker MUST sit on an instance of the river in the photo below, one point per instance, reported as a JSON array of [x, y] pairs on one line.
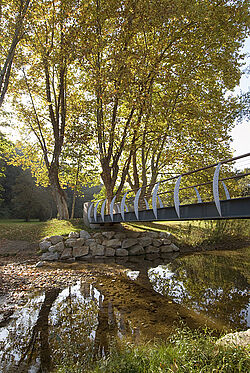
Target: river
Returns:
[[146, 298]]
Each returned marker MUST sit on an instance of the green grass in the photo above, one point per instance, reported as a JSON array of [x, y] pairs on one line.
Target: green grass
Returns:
[[34, 231], [203, 233], [195, 233], [186, 352]]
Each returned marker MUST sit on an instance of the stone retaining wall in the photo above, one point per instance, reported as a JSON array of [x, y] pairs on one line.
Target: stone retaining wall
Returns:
[[83, 245]]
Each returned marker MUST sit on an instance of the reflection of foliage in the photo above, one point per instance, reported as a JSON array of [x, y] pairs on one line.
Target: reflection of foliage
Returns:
[[72, 333], [210, 283]]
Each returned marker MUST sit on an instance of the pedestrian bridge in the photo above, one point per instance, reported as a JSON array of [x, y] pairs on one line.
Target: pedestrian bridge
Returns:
[[214, 200]]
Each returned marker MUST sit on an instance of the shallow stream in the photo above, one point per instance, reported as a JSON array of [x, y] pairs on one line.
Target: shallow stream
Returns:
[[142, 299]]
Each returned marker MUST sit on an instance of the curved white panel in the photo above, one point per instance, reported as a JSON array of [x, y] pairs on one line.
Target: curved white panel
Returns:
[[216, 188], [112, 208], [117, 208], [95, 210], [103, 209], [146, 203], [89, 211], [136, 203], [160, 202], [176, 196], [198, 195], [226, 190], [123, 205], [154, 199]]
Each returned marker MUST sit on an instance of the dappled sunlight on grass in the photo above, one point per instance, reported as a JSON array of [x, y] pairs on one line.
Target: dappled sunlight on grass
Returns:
[[34, 230], [203, 232]]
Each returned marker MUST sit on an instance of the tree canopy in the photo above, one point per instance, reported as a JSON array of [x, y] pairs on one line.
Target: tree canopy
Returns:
[[127, 88]]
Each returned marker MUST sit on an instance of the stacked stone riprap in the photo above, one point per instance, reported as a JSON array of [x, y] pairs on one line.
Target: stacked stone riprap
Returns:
[[83, 245]]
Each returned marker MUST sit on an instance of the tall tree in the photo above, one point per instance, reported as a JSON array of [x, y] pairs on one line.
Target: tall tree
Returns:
[[150, 76], [12, 20], [164, 63], [46, 87]]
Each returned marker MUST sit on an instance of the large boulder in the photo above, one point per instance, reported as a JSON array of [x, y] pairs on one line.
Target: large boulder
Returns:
[[136, 250], [70, 242], [84, 234], [98, 250], [237, 339], [108, 235], [50, 257], [55, 239], [98, 235], [114, 243], [129, 242], [152, 249], [79, 242], [67, 253], [44, 245], [79, 252], [166, 249], [132, 234], [90, 242], [152, 234], [120, 235], [109, 251], [174, 247], [166, 241], [157, 242], [59, 247], [121, 252], [145, 241], [74, 235]]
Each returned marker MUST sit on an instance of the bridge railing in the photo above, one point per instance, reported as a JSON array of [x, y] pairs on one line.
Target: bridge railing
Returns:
[[155, 196]]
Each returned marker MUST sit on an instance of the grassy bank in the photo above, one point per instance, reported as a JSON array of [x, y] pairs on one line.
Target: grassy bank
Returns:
[[34, 231], [220, 233], [186, 352], [207, 233]]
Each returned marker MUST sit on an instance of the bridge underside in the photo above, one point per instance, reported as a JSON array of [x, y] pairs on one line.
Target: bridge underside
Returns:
[[230, 209]]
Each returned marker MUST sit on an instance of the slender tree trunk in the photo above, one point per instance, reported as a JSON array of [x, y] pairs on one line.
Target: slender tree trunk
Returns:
[[73, 205], [58, 194]]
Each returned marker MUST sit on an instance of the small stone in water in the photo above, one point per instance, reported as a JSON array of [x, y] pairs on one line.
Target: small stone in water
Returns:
[[39, 264]]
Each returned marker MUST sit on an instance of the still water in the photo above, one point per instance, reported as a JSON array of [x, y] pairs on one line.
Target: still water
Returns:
[[145, 299]]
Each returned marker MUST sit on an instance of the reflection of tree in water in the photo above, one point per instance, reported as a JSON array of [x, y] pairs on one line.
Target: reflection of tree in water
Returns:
[[84, 323], [76, 324], [209, 283], [31, 342]]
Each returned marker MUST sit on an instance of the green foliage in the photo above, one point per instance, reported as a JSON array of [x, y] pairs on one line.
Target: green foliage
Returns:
[[186, 352], [135, 96], [12, 28], [4, 145], [29, 200]]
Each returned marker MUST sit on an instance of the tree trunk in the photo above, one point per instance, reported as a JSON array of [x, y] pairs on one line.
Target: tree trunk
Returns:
[[58, 194], [73, 205]]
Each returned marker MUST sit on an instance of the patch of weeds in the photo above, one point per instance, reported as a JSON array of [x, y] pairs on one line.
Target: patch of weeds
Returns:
[[187, 351]]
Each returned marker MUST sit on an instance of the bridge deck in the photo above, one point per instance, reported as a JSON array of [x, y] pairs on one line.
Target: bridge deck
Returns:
[[238, 208]]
